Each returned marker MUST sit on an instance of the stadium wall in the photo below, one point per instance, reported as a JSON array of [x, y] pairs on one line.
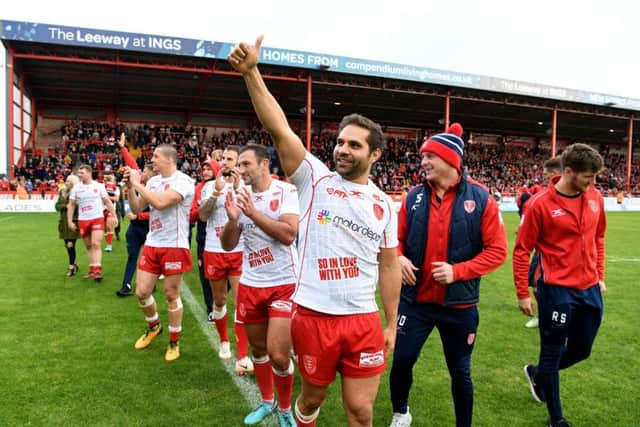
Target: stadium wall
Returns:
[[9, 203]]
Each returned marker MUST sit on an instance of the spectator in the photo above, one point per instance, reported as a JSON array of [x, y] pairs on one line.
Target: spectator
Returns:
[[64, 231]]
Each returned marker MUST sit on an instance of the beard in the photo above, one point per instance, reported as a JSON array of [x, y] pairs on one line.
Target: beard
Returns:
[[351, 169]]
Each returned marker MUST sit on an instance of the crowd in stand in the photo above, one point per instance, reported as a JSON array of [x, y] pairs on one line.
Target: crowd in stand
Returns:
[[504, 169]]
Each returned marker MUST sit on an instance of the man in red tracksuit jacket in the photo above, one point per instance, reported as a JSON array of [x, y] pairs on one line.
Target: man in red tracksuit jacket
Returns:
[[565, 224], [450, 233]]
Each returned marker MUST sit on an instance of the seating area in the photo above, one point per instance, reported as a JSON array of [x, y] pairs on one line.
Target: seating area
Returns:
[[500, 167]]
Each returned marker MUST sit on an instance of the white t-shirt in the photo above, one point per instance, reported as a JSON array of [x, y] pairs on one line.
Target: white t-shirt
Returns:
[[267, 262], [89, 198], [342, 229], [218, 219], [169, 228]]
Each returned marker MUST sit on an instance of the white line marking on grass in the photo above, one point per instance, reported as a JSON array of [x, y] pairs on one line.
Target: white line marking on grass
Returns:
[[6, 218], [248, 388], [619, 259]]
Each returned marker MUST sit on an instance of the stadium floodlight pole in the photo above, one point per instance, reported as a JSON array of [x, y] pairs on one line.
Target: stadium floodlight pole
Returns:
[[21, 85], [34, 122], [309, 95], [12, 172], [554, 129], [629, 153], [447, 110]]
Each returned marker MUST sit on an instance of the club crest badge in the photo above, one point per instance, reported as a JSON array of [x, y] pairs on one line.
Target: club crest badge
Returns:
[[471, 338], [469, 206], [378, 211], [310, 364]]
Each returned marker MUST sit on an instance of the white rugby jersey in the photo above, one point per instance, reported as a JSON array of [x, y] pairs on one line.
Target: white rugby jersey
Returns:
[[112, 189], [89, 198], [265, 261], [169, 228], [218, 219], [342, 228]]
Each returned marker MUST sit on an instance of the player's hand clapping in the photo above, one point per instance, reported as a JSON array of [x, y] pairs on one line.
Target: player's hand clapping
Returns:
[[245, 202], [131, 176], [233, 211]]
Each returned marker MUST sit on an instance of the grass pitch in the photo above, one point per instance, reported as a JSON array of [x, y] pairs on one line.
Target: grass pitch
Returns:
[[66, 347]]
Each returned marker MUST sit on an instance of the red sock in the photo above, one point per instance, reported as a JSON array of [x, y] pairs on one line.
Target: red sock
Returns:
[[241, 339], [283, 382], [221, 326], [302, 423], [109, 238], [153, 323], [98, 268], [264, 378], [174, 336]]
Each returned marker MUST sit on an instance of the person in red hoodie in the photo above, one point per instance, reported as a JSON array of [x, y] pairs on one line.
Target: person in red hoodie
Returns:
[[451, 234], [209, 171], [566, 225]]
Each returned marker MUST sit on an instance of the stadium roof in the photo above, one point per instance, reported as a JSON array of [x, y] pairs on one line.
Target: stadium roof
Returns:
[[76, 67]]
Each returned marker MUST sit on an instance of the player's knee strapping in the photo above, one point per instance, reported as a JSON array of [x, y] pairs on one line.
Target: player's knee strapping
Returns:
[[217, 315], [147, 302], [284, 373], [175, 305], [305, 418], [259, 360]]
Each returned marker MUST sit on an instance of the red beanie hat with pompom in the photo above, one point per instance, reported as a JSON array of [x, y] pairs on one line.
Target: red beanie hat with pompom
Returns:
[[448, 145]]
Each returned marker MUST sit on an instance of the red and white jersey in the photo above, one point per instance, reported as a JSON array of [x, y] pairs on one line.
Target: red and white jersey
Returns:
[[218, 219], [112, 189], [342, 229], [169, 228], [265, 261], [89, 198]]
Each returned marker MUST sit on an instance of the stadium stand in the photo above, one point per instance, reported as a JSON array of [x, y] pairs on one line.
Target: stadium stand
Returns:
[[501, 167], [193, 98]]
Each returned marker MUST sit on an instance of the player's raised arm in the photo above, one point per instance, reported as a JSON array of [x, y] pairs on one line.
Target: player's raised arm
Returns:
[[244, 59]]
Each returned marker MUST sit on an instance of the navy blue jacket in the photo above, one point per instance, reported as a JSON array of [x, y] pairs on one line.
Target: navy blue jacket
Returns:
[[465, 237]]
